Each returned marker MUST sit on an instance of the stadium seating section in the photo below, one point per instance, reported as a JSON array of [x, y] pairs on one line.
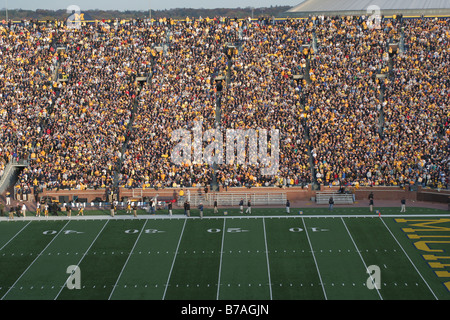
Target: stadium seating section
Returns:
[[70, 103]]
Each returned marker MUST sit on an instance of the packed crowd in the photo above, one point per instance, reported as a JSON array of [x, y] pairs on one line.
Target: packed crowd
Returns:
[[334, 130]]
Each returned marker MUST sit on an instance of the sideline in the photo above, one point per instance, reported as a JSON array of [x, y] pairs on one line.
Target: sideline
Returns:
[[182, 216]]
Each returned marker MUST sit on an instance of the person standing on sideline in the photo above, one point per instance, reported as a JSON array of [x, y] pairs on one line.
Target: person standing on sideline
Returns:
[[215, 207], [185, 208], [169, 206], [288, 206], [241, 206], [330, 203], [134, 209], [24, 210], [371, 201], [152, 206], [46, 209], [2, 207], [249, 207], [11, 213], [38, 209], [112, 209], [188, 209], [403, 202], [200, 207]]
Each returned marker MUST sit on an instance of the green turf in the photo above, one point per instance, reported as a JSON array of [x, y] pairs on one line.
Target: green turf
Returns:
[[267, 255], [195, 270]]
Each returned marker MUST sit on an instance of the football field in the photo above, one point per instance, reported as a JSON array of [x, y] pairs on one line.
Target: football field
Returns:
[[345, 254]]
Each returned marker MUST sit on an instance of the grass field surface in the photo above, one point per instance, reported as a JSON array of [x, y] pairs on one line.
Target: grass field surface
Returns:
[[268, 255]]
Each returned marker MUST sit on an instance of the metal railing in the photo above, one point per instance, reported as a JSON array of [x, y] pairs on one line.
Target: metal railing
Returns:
[[233, 199], [338, 198]]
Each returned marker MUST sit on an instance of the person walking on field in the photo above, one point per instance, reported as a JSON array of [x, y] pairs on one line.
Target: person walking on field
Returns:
[[241, 206], [288, 206], [249, 207]]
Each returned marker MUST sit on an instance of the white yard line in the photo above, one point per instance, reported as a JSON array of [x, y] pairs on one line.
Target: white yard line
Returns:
[[315, 261], [129, 256], [356, 247], [35, 259], [93, 241], [417, 270], [267, 259], [220, 263], [14, 236], [174, 258]]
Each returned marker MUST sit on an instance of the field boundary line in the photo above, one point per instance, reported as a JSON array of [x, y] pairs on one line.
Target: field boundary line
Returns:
[[417, 270], [128, 258], [220, 262], [267, 259], [315, 261], [15, 236], [38, 256], [174, 258], [362, 259]]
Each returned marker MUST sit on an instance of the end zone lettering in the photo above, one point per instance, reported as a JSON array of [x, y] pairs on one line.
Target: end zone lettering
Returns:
[[256, 310]]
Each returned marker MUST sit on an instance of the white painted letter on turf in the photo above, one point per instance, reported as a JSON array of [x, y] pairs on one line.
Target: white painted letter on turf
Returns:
[[374, 280], [74, 280]]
